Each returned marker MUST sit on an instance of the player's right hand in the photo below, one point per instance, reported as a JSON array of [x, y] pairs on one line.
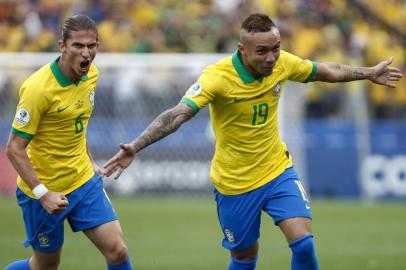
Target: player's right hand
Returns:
[[54, 202], [120, 161]]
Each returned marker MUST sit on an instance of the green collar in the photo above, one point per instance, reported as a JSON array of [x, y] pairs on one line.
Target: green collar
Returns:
[[61, 77], [241, 70]]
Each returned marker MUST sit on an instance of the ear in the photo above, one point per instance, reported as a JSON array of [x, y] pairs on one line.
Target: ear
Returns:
[[62, 47], [241, 48]]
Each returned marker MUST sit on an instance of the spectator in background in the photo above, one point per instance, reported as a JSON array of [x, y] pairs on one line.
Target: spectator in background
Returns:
[[212, 26]]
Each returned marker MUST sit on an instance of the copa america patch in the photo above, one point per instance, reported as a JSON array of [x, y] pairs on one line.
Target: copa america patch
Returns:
[[277, 89], [194, 90], [91, 97], [22, 117]]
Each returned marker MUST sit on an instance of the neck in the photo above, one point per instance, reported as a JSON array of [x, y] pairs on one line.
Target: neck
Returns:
[[249, 68], [67, 70]]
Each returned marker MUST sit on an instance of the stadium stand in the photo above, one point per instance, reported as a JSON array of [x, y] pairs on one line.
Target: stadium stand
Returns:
[[365, 32]]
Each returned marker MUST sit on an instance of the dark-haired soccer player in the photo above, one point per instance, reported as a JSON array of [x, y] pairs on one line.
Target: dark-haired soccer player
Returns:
[[58, 178], [252, 169]]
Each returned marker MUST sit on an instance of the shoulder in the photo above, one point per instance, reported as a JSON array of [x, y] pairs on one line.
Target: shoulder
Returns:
[[220, 71], [93, 72], [39, 78], [290, 61], [287, 57]]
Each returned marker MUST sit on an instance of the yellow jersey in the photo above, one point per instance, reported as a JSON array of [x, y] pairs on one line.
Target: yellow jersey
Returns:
[[248, 149], [53, 113]]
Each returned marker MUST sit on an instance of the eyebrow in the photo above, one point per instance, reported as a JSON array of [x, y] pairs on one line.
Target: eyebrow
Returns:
[[84, 44], [265, 46]]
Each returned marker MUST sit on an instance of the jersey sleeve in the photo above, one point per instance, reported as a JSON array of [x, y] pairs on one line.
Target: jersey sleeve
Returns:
[[30, 108], [300, 70], [201, 92]]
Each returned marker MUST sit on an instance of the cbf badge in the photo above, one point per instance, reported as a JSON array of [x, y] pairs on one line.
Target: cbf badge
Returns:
[[194, 90], [91, 97], [43, 240], [277, 89]]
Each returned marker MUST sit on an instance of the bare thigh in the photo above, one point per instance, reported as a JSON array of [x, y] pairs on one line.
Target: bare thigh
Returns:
[[45, 261], [108, 238], [246, 254]]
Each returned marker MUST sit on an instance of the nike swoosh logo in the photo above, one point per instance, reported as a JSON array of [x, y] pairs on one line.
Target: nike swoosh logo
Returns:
[[245, 99], [61, 110], [307, 206]]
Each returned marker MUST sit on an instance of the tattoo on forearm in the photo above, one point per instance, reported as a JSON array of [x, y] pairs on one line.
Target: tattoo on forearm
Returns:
[[347, 73], [165, 124]]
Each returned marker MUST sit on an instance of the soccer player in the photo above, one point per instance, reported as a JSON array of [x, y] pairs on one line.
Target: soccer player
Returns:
[[252, 168], [58, 178]]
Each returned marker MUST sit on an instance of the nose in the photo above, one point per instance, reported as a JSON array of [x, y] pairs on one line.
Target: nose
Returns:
[[270, 58], [85, 52]]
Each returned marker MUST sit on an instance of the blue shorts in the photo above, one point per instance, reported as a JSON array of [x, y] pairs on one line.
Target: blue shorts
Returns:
[[240, 215], [88, 207]]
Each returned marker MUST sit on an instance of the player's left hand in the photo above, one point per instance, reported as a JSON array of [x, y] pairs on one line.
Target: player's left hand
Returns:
[[383, 74], [120, 161]]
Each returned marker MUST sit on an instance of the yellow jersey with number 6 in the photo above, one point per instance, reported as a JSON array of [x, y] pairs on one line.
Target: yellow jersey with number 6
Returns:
[[249, 151], [53, 113]]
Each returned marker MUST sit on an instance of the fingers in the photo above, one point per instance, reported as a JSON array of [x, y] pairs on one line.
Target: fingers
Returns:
[[119, 172], [394, 78], [110, 162], [110, 167], [63, 202], [390, 85], [395, 70], [100, 171], [389, 60]]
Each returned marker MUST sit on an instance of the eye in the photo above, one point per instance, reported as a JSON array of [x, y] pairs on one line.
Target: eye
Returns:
[[77, 45], [261, 51]]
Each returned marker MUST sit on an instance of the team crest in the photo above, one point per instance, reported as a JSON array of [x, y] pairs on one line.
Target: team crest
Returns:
[[229, 235], [22, 117], [79, 104], [277, 89], [91, 97], [43, 240], [194, 90]]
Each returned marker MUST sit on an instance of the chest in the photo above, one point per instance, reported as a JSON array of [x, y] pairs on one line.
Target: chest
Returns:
[[70, 107]]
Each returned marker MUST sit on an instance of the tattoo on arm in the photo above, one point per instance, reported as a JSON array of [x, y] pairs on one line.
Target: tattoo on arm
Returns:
[[166, 123], [349, 73], [334, 72]]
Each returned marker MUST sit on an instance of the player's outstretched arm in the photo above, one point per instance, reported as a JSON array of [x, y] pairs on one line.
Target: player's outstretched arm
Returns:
[[382, 73], [166, 123]]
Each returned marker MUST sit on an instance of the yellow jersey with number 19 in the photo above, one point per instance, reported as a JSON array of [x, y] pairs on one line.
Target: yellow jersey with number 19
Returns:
[[249, 151], [53, 113]]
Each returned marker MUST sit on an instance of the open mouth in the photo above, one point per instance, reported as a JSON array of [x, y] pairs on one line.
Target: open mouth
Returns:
[[84, 64]]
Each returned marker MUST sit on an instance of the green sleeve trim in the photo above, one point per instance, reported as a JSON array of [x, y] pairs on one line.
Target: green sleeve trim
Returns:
[[314, 71], [22, 134], [191, 103]]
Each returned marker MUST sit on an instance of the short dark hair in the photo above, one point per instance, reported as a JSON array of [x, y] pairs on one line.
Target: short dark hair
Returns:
[[77, 23], [257, 23]]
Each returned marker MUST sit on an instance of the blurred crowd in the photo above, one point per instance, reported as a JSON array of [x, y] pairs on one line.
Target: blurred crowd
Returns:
[[355, 32]]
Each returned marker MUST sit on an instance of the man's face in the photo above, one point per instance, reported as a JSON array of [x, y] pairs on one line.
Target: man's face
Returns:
[[260, 51], [79, 51]]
